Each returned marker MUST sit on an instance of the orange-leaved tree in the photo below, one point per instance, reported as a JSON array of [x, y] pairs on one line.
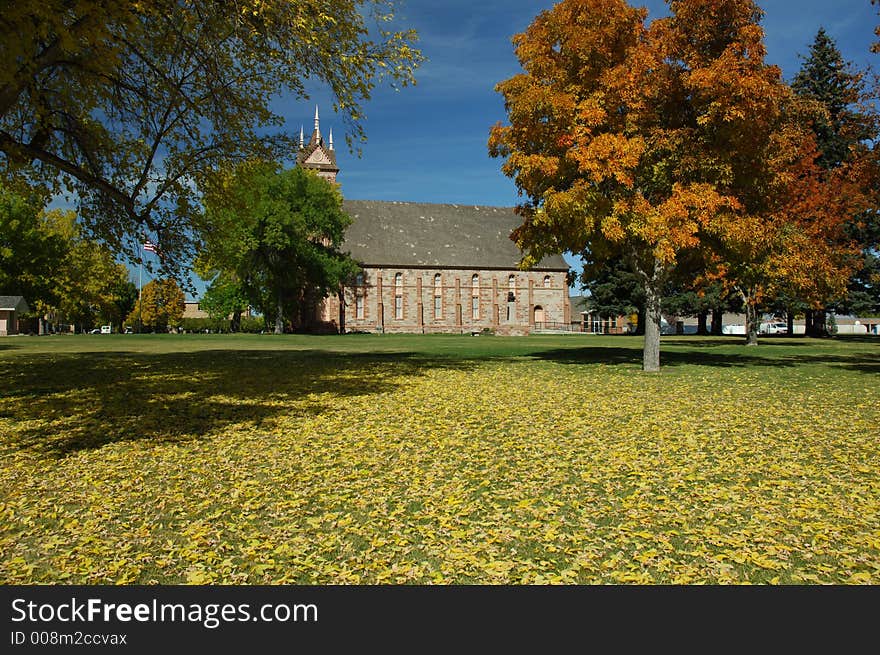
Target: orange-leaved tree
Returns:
[[646, 142], [796, 241]]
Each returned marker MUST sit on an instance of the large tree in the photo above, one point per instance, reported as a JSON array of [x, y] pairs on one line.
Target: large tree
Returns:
[[277, 233], [793, 239], [634, 141], [128, 103], [826, 78]]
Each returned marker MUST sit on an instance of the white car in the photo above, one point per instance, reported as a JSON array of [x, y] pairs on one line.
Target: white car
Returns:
[[774, 328]]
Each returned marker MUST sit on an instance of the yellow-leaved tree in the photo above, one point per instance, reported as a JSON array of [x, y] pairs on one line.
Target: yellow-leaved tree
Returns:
[[160, 306], [129, 103]]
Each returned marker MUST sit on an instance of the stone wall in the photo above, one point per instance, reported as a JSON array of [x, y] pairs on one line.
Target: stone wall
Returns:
[[407, 300]]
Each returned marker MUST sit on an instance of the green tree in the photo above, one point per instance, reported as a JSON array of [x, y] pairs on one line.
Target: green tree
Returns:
[[831, 81], [123, 297], [279, 233], [85, 279], [160, 306], [30, 252], [129, 103], [614, 290], [223, 298]]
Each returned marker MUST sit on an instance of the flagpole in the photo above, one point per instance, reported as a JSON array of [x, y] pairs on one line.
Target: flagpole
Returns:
[[140, 287]]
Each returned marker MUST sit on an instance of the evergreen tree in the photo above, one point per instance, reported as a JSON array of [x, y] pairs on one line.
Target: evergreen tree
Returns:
[[831, 81], [614, 290]]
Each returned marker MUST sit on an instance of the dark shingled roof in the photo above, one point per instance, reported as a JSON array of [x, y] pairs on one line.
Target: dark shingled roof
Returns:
[[386, 233], [14, 303]]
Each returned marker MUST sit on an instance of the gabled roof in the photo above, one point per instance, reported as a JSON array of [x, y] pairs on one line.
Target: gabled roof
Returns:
[[388, 233], [316, 156], [13, 304]]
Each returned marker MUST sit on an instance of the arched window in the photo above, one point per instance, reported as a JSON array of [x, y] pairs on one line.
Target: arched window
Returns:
[[546, 281], [438, 296], [475, 297], [398, 296], [359, 296], [359, 303], [511, 295]]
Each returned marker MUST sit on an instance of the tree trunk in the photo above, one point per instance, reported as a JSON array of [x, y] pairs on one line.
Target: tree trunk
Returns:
[[751, 321], [235, 325], [808, 323], [818, 323], [717, 322], [702, 323], [789, 322], [651, 352], [341, 295], [279, 317]]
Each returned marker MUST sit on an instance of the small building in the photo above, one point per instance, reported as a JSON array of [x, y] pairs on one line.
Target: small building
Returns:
[[192, 309], [11, 308], [584, 319]]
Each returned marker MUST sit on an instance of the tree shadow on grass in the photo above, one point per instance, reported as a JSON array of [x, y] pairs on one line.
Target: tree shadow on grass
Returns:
[[64, 404], [862, 361]]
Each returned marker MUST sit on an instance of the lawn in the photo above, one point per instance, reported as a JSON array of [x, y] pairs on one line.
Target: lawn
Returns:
[[262, 459]]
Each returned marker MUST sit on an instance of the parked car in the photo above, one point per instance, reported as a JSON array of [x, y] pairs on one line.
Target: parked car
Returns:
[[95, 331], [774, 328]]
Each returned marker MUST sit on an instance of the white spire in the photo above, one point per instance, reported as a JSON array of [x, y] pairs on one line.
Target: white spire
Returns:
[[302, 141], [317, 122], [331, 138]]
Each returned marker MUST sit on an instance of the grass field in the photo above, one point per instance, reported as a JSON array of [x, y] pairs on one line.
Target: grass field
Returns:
[[260, 459]]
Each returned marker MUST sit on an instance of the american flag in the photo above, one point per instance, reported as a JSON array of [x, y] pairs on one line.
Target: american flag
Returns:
[[149, 246]]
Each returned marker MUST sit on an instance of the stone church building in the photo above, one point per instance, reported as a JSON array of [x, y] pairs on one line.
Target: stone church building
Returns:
[[436, 268]]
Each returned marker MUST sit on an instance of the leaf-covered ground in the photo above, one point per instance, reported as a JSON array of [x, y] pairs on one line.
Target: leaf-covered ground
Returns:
[[420, 460]]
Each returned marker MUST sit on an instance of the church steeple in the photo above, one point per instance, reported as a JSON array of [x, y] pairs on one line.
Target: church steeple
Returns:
[[315, 155], [316, 135]]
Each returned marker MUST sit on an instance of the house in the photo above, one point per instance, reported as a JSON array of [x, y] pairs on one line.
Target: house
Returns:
[[436, 268], [11, 308]]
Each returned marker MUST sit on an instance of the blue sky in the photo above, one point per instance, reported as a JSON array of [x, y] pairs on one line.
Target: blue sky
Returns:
[[427, 143]]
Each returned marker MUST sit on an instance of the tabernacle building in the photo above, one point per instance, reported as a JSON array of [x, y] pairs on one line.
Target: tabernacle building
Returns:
[[436, 268]]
